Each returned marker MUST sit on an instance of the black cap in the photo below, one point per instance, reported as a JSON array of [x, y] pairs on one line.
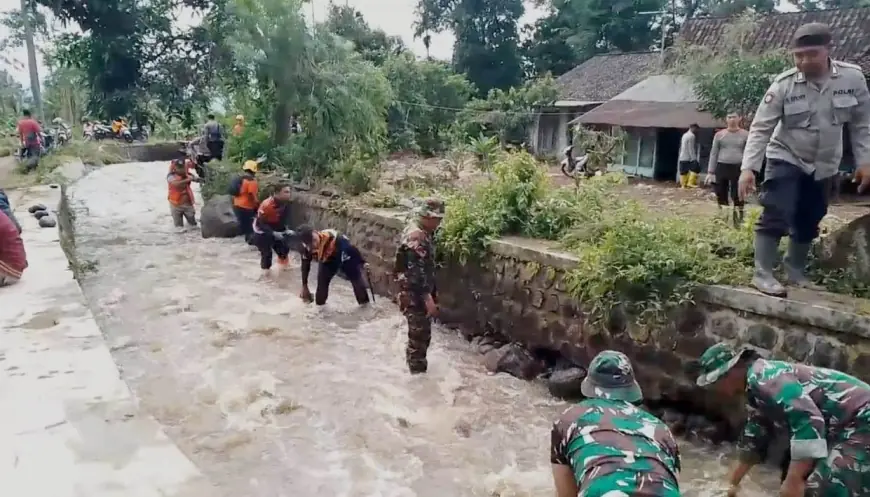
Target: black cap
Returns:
[[814, 34]]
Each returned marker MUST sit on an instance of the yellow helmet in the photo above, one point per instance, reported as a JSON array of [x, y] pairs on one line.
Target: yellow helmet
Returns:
[[250, 165], [240, 117]]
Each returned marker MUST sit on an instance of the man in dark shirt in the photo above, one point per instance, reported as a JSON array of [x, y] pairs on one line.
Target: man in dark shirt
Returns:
[[336, 256], [30, 133], [213, 133]]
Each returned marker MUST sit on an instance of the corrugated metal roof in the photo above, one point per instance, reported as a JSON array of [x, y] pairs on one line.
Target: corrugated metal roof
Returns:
[[661, 88], [628, 113]]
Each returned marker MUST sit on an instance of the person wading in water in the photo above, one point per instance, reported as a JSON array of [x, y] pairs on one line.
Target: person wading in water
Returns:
[[606, 446], [825, 412]]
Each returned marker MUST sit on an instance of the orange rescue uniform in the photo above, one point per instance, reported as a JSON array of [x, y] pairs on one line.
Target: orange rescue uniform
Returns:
[[179, 196], [249, 194]]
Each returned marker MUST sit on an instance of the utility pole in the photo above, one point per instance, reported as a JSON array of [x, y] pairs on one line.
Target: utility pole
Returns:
[[663, 27], [26, 11]]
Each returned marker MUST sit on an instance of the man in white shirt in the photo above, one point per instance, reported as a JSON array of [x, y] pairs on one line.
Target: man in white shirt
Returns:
[[690, 168]]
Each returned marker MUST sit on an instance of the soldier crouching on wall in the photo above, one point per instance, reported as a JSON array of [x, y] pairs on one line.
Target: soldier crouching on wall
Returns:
[[415, 273]]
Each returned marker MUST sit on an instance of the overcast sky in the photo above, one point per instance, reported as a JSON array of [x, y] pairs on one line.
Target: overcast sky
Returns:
[[395, 17]]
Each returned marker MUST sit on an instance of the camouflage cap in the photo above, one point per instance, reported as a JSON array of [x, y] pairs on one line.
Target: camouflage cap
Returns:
[[716, 361], [431, 207], [611, 376]]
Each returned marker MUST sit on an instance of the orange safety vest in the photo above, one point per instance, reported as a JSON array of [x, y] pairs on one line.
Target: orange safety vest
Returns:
[[179, 196], [325, 246], [270, 212]]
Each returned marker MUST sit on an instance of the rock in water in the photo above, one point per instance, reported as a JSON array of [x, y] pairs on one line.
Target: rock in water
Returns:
[[565, 383], [40, 214], [47, 222], [217, 218], [37, 207], [514, 360]]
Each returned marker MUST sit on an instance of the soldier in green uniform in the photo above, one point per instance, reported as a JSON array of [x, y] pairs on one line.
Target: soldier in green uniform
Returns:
[[415, 273], [799, 127], [606, 445], [825, 412]]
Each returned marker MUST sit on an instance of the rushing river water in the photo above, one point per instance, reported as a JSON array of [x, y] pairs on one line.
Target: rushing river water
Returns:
[[271, 397]]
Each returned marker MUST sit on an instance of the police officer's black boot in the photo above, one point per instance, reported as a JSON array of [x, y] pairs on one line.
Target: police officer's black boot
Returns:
[[739, 215], [766, 255], [795, 266]]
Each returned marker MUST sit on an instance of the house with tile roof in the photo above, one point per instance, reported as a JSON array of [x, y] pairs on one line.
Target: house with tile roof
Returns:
[[850, 27], [583, 88], [655, 112]]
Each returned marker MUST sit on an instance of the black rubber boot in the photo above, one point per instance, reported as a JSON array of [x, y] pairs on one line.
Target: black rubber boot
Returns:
[[795, 266], [737, 217], [766, 255]]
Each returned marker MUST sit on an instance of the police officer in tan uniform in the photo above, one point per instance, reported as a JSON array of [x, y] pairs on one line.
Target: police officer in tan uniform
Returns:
[[799, 125]]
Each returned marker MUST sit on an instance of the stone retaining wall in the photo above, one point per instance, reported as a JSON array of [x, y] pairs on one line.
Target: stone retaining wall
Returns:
[[519, 291], [148, 152]]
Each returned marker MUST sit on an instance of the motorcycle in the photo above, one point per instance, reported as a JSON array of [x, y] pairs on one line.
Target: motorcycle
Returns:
[[139, 133], [572, 166], [125, 134], [63, 134], [101, 132]]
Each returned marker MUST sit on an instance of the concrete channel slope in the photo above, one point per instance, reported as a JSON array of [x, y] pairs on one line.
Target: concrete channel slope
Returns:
[[69, 425]]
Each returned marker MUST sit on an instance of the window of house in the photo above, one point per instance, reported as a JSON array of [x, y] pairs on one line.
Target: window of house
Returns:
[[647, 148], [632, 146]]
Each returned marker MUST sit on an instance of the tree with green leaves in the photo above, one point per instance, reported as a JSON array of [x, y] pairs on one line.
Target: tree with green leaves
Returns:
[[487, 38], [426, 95], [575, 30], [373, 44], [285, 68], [732, 79], [132, 51], [507, 114]]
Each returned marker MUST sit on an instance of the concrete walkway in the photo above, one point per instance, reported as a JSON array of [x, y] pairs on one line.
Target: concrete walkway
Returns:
[[69, 426]]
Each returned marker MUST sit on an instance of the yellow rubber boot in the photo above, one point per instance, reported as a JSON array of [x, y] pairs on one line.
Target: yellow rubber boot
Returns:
[[684, 180], [693, 180]]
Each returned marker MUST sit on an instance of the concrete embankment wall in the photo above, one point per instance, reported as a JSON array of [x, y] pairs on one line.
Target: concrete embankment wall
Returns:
[[519, 291]]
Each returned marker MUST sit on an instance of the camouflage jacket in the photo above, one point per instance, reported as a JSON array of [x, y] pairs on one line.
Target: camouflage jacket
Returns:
[[814, 405], [415, 261], [614, 440]]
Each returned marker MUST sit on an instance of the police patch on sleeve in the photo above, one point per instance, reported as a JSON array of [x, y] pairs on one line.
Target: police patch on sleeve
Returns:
[[768, 98]]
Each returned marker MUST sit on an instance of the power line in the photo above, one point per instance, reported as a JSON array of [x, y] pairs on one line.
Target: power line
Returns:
[[481, 111]]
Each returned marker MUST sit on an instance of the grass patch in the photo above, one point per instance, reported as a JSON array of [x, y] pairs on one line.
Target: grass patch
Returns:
[[629, 256]]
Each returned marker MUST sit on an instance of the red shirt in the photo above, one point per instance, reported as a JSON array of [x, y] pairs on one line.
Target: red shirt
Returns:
[[29, 130], [13, 259]]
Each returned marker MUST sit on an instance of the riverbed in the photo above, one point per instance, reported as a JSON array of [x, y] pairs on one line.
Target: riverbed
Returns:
[[272, 397]]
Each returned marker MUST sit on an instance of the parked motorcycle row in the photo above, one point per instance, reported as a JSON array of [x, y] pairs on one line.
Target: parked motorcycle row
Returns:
[[102, 131]]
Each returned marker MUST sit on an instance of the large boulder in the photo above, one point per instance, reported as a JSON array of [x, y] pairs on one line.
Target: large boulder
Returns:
[[217, 219], [514, 360], [848, 248]]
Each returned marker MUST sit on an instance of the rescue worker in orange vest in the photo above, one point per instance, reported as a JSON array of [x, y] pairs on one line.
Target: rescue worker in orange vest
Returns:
[[337, 256], [239, 127], [270, 227], [181, 195], [246, 198]]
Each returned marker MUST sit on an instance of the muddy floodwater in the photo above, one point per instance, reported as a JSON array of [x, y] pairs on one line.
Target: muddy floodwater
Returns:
[[270, 397]]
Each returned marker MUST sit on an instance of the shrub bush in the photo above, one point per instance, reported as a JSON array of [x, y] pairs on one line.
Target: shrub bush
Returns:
[[626, 256]]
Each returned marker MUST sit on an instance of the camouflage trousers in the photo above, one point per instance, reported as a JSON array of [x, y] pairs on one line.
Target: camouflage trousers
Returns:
[[624, 483], [419, 337], [846, 471]]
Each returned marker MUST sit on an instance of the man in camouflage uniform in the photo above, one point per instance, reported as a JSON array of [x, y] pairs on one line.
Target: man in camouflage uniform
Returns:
[[606, 445], [415, 272], [825, 412]]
